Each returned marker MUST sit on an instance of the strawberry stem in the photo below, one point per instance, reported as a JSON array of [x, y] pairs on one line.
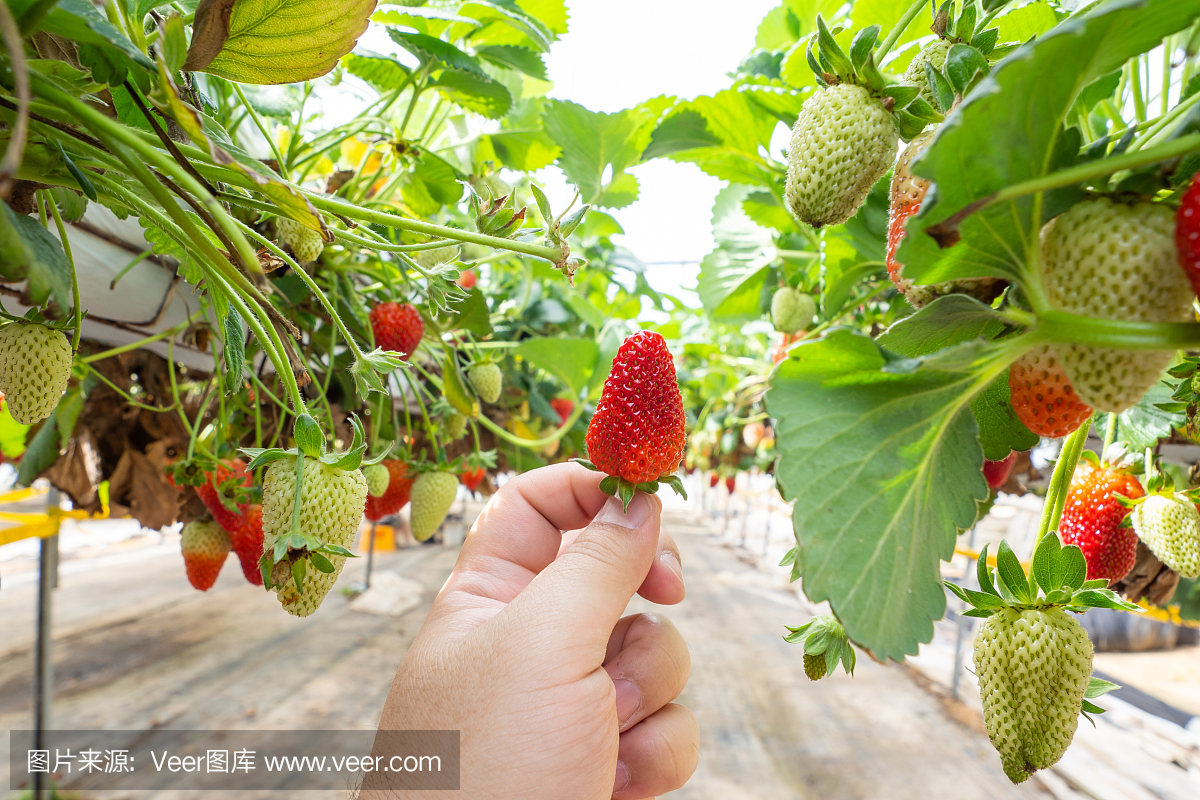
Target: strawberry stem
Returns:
[[898, 29], [1060, 481]]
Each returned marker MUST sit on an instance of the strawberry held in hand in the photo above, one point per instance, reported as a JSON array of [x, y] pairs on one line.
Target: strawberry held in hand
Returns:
[[1092, 517], [637, 435]]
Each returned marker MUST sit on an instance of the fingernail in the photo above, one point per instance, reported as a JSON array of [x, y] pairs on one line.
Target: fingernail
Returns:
[[635, 517], [629, 700], [622, 778], [671, 562]]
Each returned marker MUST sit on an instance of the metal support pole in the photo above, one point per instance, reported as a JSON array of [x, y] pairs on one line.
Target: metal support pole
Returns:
[[370, 556], [43, 660], [962, 623]]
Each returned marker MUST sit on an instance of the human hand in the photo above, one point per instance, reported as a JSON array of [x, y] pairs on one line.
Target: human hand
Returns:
[[526, 653]]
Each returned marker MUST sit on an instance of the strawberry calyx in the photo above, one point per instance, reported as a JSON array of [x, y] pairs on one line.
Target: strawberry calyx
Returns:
[[833, 66], [1056, 579], [620, 487], [825, 643]]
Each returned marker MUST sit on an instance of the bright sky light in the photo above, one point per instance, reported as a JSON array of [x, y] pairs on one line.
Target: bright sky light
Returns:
[[618, 53]]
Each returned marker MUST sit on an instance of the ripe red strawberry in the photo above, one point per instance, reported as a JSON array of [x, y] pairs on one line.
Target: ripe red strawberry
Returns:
[[247, 541], [220, 487], [996, 472], [1042, 396], [471, 478], [205, 546], [637, 433], [1187, 233], [1092, 516], [563, 407], [397, 327], [713, 480], [730, 484], [467, 280], [397, 495]]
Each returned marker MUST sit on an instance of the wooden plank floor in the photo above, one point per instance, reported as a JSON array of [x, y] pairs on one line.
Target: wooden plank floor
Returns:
[[137, 647]]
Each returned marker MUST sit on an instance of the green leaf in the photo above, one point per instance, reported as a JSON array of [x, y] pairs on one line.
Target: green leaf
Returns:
[[473, 315], [522, 59], [1098, 687], [1146, 423], [527, 28], [1010, 129], [1012, 576], [524, 151], [568, 359], [103, 49], [270, 42], [1047, 569], [474, 93], [309, 437], [886, 472], [983, 574], [1022, 24], [41, 454], [730, 144], [12, 434], [733, 275], [233, 350], [593, 142], [431, 50], [1074, 566], [1101, 598], [1000, 430], [383, 73], [28, 252]]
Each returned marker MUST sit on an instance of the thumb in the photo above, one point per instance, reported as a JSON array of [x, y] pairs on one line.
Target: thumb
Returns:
[[581, 595]]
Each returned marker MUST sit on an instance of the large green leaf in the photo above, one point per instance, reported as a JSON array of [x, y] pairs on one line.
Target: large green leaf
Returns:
[[593, 143], [570, 360], [528, 29], [882, 460], [959, 319], [274, 41], [1010, 129], [725, 135], [29, 253], [732, 276]]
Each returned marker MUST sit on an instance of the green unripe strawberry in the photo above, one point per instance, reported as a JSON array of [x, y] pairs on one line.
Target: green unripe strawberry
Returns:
[[35, 365], [487, 380], [792, 310], [1033, 667], [432, 495], [331, 510], [432, 258], [935, 54], [843, 142], [455, 426], [1170, 526], [306, 243], [378, 479], [815, 666], [1115, 261]]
